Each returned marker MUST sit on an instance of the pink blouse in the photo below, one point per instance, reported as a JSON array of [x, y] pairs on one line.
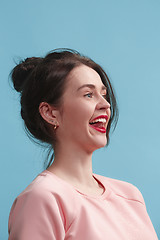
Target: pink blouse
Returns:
[[50, 208]]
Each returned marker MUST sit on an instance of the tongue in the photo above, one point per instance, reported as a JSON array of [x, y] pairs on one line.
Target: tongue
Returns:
[[98, 124]]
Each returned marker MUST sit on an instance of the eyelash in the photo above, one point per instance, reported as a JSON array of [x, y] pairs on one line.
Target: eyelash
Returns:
[[91, 93]]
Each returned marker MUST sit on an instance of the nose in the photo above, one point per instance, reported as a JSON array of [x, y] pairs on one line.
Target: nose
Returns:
[[103, 104]]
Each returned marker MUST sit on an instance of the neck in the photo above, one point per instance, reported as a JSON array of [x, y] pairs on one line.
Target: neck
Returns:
[[73, 165]]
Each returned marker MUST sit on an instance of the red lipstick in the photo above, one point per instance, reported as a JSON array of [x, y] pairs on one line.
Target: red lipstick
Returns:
[[100, 129], [97, 126]]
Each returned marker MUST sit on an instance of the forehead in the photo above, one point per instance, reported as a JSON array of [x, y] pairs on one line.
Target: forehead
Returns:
[[82, 75]]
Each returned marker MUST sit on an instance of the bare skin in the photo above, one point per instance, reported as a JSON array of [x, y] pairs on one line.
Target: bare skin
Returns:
[[76, 139], [77, 173]]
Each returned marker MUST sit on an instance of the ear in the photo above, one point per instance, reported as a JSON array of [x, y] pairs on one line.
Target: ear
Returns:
[[48, 113]]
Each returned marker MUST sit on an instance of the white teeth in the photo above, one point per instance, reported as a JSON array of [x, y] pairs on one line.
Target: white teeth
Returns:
[[103, 120]]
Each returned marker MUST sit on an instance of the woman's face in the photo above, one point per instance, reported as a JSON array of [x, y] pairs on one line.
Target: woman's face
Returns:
[[83, 101]]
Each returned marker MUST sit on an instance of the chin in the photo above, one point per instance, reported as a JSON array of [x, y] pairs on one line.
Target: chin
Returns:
[[99, 143]]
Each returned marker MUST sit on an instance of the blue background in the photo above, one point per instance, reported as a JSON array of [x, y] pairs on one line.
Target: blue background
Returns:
[[124, 37]]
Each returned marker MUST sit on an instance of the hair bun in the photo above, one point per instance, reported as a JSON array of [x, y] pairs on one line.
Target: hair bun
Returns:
[[21, 72]]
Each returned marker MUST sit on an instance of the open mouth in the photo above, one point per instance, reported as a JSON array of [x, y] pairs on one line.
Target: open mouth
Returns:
[[99, 124]]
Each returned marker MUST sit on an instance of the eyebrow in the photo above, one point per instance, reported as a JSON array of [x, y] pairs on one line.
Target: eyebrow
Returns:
[[91, 86]]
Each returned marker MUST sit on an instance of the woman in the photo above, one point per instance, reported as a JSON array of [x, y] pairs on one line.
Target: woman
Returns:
[[67, 101]]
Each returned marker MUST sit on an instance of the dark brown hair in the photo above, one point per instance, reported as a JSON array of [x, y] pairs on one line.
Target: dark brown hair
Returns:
[[44, 80]]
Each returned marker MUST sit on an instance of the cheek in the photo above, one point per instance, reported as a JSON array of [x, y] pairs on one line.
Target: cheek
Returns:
[[78, 113]]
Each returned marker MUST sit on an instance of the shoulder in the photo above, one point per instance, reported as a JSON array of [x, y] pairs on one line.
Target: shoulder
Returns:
[[122, 189], [47, 192], [43, 204], [47, 186], [46, 197]]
